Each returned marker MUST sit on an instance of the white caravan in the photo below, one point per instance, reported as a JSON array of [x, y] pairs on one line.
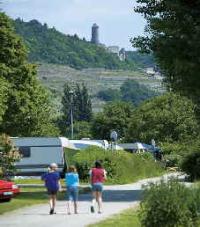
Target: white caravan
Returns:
[[39, 152], [84, 143]]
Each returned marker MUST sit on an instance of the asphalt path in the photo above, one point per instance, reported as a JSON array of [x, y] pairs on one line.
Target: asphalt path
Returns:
[[116, 198]]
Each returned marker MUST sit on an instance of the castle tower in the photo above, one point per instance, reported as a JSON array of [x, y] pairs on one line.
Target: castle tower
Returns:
[[95, 34]]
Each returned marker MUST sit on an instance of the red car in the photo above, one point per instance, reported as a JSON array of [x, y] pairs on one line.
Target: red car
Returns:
[[8, 190]]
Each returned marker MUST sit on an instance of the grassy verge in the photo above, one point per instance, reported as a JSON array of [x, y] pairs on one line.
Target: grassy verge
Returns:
[[128, 218], [121, 167], [32, 181], [28, 181], [30, 196], [27, 197]]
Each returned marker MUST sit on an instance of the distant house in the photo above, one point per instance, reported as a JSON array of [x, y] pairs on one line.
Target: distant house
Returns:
[[114, 50], [121, 53]]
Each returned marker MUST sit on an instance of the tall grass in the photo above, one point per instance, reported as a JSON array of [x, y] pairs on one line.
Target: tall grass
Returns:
[[121, 167]]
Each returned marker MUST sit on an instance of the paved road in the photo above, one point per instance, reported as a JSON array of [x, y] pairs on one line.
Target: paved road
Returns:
[[116, 199]]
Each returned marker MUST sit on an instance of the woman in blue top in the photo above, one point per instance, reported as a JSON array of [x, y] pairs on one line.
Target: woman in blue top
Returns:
[[72, 183]]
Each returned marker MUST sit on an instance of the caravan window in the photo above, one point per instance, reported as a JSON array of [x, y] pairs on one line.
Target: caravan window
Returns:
[[25, 152]]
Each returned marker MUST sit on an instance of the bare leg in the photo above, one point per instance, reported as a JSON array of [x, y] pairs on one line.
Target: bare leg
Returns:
[[93, 201], [68, 207], [53, 201], [99, 201], [94, 198], [75, 207]]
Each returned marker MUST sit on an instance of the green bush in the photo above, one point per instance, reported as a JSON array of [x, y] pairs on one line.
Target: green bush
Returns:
[[170, 204], [191, 165], [69, 155], [176, 152], [172, 160], [121, 167]]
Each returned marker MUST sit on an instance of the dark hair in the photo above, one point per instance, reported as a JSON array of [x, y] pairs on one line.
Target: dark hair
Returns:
[[98, 164]]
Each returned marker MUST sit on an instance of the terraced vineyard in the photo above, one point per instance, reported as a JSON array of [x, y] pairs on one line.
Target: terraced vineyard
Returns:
[[55, 76]]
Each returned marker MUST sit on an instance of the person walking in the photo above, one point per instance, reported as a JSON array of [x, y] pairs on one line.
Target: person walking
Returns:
[[97, 177], [72, 183], [52, 183]]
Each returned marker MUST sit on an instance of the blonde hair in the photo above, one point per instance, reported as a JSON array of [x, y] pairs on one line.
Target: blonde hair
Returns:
[[72, 169]]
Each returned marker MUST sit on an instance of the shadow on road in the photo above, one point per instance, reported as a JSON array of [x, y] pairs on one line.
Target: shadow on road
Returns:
[[116, 196]]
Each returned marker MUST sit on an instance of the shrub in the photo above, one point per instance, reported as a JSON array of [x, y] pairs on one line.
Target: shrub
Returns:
[[121, 167], [191, 165], [169, 204], [176, 152], [172, 160], [8, 156]]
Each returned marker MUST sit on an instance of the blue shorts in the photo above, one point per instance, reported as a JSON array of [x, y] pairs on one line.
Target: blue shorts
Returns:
[[97, 187], [72, 193]]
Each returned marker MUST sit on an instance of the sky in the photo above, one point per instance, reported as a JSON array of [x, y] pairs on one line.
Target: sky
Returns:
[[116, 18]]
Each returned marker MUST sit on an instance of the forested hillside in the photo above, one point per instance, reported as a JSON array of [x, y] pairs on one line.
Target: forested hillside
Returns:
[[51, 46], [141, 60], [48, 45]]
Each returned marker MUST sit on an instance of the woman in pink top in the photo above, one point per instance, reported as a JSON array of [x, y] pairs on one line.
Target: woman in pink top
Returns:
[[97, 177]]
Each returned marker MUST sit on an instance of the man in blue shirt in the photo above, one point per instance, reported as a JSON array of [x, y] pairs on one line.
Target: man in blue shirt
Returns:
[[52, 183]]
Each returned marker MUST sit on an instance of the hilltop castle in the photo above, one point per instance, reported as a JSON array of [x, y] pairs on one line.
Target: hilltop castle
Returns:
[[121, 53], [95, 34]]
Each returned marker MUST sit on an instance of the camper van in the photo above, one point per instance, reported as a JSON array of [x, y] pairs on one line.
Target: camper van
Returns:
[[38, 152]]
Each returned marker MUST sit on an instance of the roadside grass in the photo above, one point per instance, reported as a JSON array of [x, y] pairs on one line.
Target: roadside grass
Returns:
[[32, 181], [31, 196], [28, 181], [128, 218], [27, 197]]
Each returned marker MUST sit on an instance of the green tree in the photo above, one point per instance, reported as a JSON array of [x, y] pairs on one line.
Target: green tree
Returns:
[[165, 118], [109, 95], [9, 155], [173, 30], [79, 100], [4, 87], [84, 104], [66, 105], [82, 129], [134, 92], [28, 110], [115, 116]]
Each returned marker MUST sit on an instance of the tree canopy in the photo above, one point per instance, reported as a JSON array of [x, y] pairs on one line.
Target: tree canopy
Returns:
[[165, 118], [134, 92], [77, 99], [27, 110], [173, 30], [130, 91], [4, 86], [9, 155], [115, 116]]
